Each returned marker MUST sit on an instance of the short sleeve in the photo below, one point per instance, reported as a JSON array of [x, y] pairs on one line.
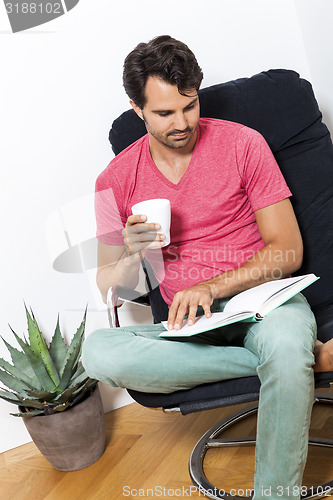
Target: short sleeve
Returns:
[[109, 220], [261, 176]]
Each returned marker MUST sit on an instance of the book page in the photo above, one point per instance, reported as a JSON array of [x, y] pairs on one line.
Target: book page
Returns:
[[280, 297], [203, 324], [254, 298], [199, 322]]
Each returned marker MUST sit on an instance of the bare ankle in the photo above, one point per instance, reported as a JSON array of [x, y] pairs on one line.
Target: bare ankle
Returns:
[[323, 356]]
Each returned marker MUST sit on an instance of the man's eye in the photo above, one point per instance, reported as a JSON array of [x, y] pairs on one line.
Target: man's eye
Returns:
[[164, 114]]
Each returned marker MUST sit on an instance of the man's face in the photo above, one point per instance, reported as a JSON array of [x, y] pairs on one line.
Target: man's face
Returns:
[[170, 118]]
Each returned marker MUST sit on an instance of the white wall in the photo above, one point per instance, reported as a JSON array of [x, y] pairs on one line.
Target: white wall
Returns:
[[315, 20], [60, 90]]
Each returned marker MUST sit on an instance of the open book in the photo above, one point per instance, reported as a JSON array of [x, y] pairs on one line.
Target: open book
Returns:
[[252, 305]]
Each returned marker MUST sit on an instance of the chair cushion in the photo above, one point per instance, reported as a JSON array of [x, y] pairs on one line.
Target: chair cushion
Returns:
[[203, 397], [324, 319], [282, 107]]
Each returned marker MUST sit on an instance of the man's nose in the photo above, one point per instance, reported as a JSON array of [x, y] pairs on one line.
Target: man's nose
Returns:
[[180, 122]]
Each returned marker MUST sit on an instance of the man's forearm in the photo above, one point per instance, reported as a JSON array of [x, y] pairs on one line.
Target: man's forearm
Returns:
[[124, 273], [281, 256], [269, 263]]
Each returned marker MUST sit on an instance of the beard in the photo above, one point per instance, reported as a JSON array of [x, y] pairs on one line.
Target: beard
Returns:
[[169, 139]]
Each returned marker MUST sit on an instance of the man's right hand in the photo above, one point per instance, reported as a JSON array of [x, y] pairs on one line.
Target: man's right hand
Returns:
[[120, 265], [140, 235]]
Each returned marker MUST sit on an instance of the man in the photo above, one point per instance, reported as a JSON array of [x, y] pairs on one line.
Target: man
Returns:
[[233, 227]]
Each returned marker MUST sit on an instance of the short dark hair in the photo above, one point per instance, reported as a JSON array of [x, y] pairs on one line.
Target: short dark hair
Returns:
[[166, 58]]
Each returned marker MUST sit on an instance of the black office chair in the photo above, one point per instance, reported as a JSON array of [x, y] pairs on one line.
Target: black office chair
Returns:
[[282, 107]]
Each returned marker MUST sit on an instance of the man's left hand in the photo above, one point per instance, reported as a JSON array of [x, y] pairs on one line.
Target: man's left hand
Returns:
[[187, 302]]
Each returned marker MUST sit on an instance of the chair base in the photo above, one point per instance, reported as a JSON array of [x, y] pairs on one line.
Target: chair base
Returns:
[[212, 439]]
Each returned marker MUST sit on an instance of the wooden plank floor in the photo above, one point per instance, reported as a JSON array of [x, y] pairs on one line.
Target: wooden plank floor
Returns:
[[147, 456]]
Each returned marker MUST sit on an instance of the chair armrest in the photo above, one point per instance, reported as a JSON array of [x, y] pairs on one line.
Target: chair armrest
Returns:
[[116, 294], [129, 295]]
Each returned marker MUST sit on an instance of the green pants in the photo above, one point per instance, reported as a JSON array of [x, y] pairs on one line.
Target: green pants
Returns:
[[278, 349]]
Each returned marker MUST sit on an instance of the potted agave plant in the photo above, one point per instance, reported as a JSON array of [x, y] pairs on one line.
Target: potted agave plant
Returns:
[[60, 405]]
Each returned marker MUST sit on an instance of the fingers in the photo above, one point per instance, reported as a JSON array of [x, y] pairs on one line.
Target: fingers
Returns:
[[135, 219], [177, 312], [187, 302], [192, 313], [140, 235], [137, 242]]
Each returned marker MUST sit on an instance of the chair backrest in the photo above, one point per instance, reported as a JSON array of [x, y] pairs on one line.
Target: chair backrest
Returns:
[[282, 107]]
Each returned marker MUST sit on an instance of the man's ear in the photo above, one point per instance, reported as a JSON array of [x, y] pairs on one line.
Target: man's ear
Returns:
[[136, 109]]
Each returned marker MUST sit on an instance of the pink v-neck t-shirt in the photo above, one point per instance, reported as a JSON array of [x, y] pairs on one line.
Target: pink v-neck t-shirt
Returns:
[[232, 173]]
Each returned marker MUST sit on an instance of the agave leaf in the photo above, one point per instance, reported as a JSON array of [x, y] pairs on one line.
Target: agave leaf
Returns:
[[28, 414], [13, 383], [9, 396], [80, 393], [38, 367], [77, 374], [62, 397], [75, 345], [12, 370], [81, 381], [39, 347], [31, 403], [20, 360], [42, 395], [72, 357], [91, 383], [33, 331], [58, 348], [62, 407]]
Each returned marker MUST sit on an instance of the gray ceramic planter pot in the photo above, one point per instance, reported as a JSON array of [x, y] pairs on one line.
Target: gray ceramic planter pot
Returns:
[[73, 439]]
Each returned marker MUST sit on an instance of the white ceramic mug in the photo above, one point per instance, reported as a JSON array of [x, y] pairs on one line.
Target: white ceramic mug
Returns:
[[157, 210]]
